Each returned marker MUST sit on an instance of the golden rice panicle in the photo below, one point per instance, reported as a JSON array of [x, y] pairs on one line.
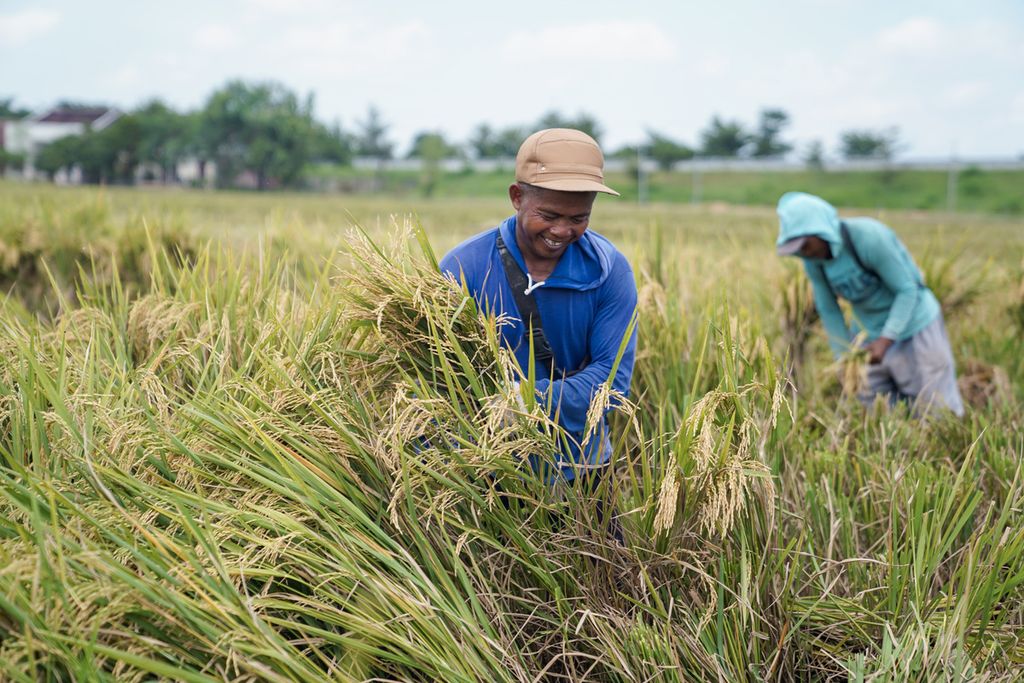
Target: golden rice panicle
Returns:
[[605, 398], [727, 470], [700, 423], [156, 319], [668, 501], [729, 486]]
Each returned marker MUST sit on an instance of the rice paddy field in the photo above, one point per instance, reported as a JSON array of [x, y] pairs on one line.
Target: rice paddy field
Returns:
[[259, 438]]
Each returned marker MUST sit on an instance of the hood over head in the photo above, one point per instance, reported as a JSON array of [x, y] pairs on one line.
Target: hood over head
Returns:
[[802, 214]]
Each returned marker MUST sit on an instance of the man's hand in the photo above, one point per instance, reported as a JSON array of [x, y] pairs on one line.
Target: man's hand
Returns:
[[877, 349], [503, 413]]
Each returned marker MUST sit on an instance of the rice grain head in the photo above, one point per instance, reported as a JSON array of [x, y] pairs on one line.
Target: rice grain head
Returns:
[[668, 501]]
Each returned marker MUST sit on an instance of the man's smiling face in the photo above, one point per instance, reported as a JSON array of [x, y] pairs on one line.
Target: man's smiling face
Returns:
[[548, 221]]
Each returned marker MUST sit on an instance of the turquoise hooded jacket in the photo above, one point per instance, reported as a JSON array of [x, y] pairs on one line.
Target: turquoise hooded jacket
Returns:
[[893, 302]]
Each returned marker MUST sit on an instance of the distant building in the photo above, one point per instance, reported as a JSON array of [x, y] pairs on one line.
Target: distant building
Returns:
[[196, 172], [29, 135]]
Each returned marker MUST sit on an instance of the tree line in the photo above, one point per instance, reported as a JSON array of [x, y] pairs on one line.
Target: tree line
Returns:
[[266, 130]]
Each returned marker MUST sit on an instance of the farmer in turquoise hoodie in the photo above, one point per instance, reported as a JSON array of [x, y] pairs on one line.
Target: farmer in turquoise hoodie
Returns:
[[862, 261]]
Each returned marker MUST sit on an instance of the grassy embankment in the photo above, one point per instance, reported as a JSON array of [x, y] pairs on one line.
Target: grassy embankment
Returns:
[[274, 457], [976, 190]]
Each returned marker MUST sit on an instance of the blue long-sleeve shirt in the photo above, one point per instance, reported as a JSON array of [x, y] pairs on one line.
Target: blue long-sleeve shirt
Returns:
[[891, 302], [587, 305]]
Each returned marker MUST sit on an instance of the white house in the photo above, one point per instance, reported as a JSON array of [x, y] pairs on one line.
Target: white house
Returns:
[[29, 135]]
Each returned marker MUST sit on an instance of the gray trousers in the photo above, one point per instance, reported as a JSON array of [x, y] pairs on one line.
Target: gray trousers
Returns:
[[919, 370]]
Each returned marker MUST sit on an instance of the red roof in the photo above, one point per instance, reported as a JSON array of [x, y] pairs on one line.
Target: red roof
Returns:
[[73, 115]]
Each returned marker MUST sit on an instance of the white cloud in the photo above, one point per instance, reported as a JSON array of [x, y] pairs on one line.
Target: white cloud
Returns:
[[915, 36], [983, 39], [126, 76], [961, 44], [20, 28], [612, 41], [343, 47], [215, 37], [712, 66], [967, 93]]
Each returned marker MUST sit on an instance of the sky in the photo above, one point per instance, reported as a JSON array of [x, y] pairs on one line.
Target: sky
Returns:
[[948, 74]]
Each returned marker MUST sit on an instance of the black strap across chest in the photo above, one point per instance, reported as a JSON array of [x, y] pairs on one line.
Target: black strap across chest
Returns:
[[530, 313], [527, 306], [844, 232]]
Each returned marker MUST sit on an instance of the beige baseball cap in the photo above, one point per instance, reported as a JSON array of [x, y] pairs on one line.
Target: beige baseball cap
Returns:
[[562, 159]]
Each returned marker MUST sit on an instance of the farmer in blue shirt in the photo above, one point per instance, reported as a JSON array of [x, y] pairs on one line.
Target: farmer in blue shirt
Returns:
[[544, 263], [862, 261]]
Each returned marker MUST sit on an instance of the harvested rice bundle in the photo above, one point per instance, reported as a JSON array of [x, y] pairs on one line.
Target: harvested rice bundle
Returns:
[[452, 404]]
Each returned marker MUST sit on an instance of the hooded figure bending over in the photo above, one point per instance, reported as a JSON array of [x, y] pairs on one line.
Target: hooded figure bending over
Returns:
[[862, 261]]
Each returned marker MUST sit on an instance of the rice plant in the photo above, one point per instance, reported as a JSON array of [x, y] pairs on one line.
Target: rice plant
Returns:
[[303, 459]]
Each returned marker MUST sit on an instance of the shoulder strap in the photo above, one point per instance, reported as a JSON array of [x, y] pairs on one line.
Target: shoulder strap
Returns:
[[848, 243], [527, 306], [844, 232], [821, 270]]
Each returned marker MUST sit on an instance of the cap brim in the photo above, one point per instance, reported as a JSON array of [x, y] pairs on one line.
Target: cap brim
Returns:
[[791, 247], [574, 185]]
